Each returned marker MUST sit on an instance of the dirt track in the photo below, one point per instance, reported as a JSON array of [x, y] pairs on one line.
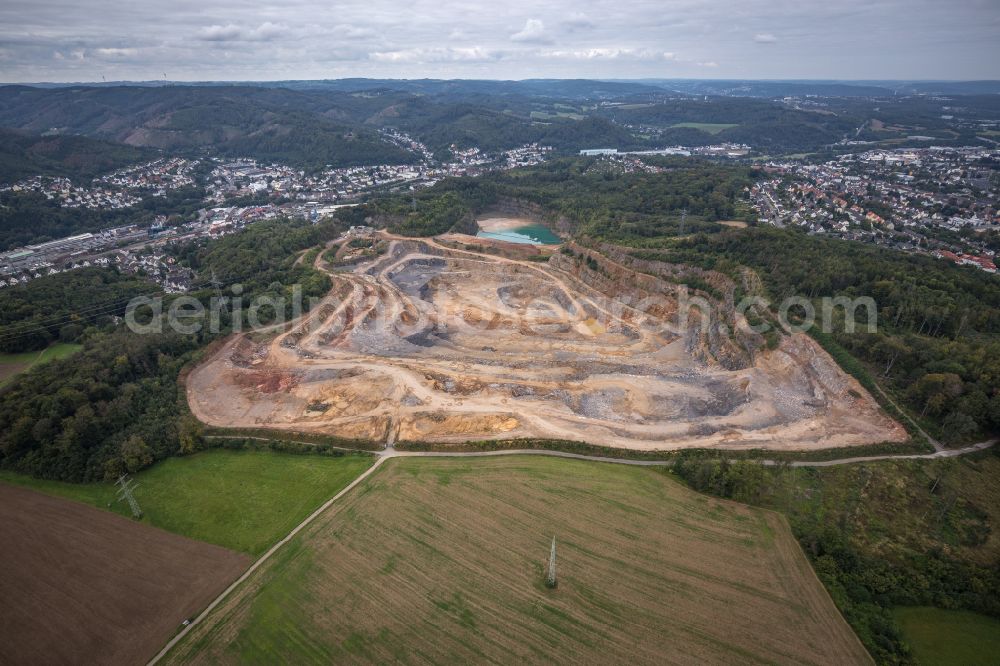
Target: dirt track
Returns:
[[81, 585], [436, 343], [441, 561]]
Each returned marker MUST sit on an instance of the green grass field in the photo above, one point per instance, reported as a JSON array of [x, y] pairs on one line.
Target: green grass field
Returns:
[[443, 561], [948, 637], [244, 500], [711, 128], [545, 115], [12, 364]]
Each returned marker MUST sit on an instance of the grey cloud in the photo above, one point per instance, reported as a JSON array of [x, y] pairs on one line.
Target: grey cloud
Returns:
[[602, 53], [348, 31], [58, 40], [533, 32], [578, 21], [233, 33], [430, 55]]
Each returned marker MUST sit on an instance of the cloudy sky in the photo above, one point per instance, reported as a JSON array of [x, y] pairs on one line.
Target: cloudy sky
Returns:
[[85, 40]]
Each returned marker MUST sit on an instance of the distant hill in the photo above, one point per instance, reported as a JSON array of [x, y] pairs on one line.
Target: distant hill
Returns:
[[578, 89], [738, 88], [23, 154], [574, 89], [308, 128], [266, 123], [493, 127], [311, 124], [750, 88], [762, 123]]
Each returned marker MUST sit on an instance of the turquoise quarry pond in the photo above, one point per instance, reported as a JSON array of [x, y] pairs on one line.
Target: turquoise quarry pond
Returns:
[[534, 234]]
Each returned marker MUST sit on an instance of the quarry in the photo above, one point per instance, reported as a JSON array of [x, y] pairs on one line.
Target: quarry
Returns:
[[459, 338]]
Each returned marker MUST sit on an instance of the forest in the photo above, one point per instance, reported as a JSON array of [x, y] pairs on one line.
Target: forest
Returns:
[[116, 405], [23, 155], [938, 342], [61, 307], [29, 217], [598, 199]]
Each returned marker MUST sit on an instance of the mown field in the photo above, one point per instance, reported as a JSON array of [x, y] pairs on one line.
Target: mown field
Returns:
[[12, 364], [950, 638], [443, 561], [711, 128], [883, 535], [243, 500]]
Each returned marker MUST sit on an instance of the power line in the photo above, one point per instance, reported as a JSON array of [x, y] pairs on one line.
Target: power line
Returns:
[[75, 313], [24, 328], [95, 310]]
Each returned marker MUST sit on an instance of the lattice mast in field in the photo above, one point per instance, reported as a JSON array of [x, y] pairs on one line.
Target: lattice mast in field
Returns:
[[125, 488], [550, 575]]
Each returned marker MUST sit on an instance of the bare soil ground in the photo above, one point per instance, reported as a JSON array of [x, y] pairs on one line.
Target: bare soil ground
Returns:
[[81, 585], [8, 370], [503, 223], [443, 561], [438, 343]]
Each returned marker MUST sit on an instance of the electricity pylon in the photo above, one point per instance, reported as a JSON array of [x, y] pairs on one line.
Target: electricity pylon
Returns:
[[550, 576], [125, 488]]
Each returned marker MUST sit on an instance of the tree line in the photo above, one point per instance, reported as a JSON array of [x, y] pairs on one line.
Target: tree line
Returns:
[[878, 535], [599, 199], [937, 347], [61, 307], [116, 405]]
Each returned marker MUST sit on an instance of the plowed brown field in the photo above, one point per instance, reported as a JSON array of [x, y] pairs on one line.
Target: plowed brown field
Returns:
[[83, 586]]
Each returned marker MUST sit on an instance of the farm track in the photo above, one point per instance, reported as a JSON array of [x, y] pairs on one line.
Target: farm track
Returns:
[[332, 339], [670, 583], [395, 453], [261, 560]]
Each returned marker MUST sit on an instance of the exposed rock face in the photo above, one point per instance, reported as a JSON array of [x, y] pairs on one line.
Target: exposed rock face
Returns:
[[510, 207], [711, 333], [444, 344]]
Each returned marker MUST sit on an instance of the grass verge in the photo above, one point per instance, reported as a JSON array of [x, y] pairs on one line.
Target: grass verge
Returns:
[[949, 637], [243, 500], [570, 446], [319, 441], [14, 364]]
